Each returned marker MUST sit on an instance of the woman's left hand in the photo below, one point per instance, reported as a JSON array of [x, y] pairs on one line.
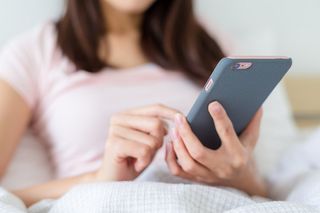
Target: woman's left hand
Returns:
[[231, 165]]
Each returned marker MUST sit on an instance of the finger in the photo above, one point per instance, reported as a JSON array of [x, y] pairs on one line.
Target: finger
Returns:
[[154, 126], [250, 135], [123, 149], [172, 163], [188, 164], [176, 169], [223, 126], [137, 136], [190, 140], [157, 110]]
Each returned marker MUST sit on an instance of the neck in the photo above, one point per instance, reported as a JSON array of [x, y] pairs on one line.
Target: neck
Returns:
[[121, 23]]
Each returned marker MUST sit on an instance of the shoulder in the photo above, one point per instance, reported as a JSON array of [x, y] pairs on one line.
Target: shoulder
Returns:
[[37, 44], [28, 60]]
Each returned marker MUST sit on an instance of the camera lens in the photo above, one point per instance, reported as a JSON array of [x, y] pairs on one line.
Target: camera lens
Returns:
[[236, 66], [242, 66]]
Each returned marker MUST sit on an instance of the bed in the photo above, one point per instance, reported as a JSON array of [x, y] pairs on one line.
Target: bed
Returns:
[[295, 187], [157, 191]]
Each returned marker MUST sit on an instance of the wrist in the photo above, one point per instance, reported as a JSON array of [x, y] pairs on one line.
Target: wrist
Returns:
[[252, 182], [100, 176], [256, 186], [90, 177]]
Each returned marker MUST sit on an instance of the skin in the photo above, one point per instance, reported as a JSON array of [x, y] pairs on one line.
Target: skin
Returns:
[[231, 165], [123, 19], [137, 134]]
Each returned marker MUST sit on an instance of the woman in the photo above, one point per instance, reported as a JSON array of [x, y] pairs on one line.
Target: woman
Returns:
[[68, 82]]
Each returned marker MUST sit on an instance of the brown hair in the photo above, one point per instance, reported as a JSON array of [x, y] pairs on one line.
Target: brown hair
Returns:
[[171, 37]]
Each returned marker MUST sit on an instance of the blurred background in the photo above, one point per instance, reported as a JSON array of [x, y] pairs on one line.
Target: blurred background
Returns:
[[246, 27]]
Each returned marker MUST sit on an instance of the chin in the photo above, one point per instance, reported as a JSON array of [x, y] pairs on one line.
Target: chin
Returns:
[[130, 6]]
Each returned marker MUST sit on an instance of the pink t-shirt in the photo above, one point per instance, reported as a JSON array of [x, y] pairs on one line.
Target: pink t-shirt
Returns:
[[71, 109]]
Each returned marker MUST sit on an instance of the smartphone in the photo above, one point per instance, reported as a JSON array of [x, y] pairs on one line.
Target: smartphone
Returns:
[[240, 85]]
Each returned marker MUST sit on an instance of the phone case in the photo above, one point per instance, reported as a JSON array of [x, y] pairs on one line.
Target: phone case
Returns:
[[241, 93]]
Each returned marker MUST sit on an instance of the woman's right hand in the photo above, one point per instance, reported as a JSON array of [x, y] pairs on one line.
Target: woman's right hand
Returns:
[[133, 140]]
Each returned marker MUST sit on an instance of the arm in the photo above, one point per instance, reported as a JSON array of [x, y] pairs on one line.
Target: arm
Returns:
[[14, 117], [53, 189], [134, 136], [133, 139]]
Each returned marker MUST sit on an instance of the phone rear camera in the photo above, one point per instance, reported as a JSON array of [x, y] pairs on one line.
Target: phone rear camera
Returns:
[[236, 66], [242, 66]]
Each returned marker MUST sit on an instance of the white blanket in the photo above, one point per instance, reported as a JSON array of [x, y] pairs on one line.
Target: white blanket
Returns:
[[150, 197], [297, 176]]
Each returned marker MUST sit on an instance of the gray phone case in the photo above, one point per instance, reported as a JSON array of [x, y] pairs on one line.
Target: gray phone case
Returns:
[[241, 93]]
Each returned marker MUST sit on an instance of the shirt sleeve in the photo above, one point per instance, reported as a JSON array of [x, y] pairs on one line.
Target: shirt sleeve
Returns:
[[19, 67]]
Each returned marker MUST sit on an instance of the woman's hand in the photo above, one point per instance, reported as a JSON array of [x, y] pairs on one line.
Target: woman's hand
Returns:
[[231, 165], [133, 140]]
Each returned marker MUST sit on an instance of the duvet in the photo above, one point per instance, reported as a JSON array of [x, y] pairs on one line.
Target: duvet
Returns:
[[151, 197]]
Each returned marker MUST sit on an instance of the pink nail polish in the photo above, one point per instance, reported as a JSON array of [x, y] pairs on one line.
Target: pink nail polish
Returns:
[[179, 119], [168, 147], [174, 135]]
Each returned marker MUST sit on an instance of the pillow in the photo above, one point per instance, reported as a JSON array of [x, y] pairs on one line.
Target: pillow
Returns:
[[278, 131]]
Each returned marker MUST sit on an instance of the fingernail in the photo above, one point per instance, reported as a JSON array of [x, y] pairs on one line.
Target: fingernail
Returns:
[[167, 150], [139, 167], [174, 135], [179, 120], [166, 127], [215, 107], [168, 146]]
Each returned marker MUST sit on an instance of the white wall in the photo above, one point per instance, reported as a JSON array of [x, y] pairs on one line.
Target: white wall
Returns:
[[283, 27], [294, 25], [17, 16]]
